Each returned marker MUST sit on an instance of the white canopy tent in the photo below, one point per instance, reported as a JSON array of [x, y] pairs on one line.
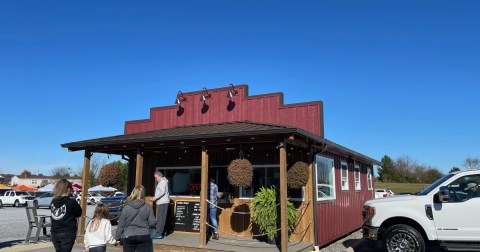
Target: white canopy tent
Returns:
[[100, 188], [47, 188]]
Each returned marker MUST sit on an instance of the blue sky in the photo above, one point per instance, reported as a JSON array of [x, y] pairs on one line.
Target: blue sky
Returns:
[[396, 77]]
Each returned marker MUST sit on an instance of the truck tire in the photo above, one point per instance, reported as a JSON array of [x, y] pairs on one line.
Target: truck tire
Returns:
[[1, 203], [403, 238], [35, 204], [16, 204]]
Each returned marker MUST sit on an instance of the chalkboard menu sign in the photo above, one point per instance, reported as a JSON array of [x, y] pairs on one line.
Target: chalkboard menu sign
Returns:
[[187, 216]]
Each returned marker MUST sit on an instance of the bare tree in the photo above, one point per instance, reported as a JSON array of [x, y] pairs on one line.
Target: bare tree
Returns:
[[25, 174], [471, 163], [405, 167], [61, 171]]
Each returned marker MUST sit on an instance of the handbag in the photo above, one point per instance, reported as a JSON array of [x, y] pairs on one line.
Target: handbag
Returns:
[[126, 225]]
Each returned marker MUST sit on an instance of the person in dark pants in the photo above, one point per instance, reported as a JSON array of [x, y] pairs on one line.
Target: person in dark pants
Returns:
[[135, 222], [64, 213], [162, 199]]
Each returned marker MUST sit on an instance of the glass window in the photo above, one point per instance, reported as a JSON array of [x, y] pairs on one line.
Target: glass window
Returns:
[[266, 176], [344, 173], [369, 179], [325, 178], [182, 181], [357, 177], [464, 188]]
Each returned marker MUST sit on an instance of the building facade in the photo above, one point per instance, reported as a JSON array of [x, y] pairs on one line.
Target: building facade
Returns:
[[199, 136]]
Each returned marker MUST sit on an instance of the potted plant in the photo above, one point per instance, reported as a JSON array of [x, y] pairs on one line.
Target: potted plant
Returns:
[[266, 212], [297, 175], [240, 172]]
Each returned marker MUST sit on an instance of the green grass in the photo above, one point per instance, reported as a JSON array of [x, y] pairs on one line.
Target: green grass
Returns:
[[398, 188]]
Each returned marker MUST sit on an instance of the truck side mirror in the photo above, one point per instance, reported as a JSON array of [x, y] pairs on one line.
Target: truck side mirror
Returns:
[[443, 194]]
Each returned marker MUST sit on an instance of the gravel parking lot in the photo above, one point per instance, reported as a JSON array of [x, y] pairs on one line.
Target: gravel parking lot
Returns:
[[14, 224]]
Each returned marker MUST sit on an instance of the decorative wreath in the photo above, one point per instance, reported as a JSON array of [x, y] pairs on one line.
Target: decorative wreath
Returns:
[[240, 172], [297, 175]]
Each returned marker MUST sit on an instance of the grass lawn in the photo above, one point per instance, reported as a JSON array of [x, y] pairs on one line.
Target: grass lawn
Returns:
[[398, 188]]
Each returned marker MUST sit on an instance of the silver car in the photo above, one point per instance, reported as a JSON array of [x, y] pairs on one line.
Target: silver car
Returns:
[[43, 200]]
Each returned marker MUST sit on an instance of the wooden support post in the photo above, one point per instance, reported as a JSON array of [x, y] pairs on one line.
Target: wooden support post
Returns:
[[203, 197], [139, 168], [85, 181], [283, 199]]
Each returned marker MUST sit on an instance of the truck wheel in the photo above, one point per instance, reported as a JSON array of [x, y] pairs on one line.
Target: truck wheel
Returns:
[[1, 203], [92, 201], [403, 238], [16, 204], [35, 204]]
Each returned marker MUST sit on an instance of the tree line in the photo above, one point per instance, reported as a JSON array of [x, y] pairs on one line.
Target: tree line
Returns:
[[406, 170], [401, 170], [114, 174]]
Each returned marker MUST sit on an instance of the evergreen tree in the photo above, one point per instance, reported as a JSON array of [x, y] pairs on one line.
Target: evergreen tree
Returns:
[[386, 171]]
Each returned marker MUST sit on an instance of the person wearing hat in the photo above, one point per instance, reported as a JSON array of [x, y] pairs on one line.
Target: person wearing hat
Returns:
[[473, 191]]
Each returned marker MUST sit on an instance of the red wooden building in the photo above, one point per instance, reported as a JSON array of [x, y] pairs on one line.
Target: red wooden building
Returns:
[[205, 130]]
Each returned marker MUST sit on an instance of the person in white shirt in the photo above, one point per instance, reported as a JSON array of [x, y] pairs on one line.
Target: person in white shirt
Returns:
[[99, 231]]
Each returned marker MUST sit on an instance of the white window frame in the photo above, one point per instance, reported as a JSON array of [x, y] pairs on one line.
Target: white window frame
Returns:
[[334, 196], [369, 179], [344, 179], [356, 170]]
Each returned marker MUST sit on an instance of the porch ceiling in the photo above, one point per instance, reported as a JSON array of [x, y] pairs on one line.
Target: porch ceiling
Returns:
[[206, 133]]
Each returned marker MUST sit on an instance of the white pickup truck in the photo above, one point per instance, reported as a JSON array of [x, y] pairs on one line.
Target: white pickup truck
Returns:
[[15, 198], [446, 213]]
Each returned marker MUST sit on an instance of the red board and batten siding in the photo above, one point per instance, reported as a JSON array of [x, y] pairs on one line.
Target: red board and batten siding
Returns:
[[344, 214], [268, 108]]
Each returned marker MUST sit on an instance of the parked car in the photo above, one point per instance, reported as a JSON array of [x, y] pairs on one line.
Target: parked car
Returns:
[[381, 193], [15, 198], [43, 200], [115, 206], [390, 193], [93, 198], [119, 194], [3, 191]]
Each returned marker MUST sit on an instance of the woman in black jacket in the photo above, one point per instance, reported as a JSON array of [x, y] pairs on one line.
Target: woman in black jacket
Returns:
[[65, 212]]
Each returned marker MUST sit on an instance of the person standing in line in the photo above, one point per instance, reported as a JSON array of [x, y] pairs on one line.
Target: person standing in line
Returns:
[[135, 222], [212, 207], [64, 213], [99, 231], [162, 199]]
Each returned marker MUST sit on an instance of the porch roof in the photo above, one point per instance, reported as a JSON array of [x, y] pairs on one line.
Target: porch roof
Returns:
[[210, 131]]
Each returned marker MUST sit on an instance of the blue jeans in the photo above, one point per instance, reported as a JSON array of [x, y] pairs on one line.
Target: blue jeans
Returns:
[[213, 218]]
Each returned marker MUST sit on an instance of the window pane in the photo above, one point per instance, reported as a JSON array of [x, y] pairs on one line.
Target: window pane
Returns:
[[183, 182], [325, 178]]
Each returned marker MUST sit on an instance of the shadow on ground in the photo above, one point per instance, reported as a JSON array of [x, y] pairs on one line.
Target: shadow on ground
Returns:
[[351, 243], [11, 243]]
